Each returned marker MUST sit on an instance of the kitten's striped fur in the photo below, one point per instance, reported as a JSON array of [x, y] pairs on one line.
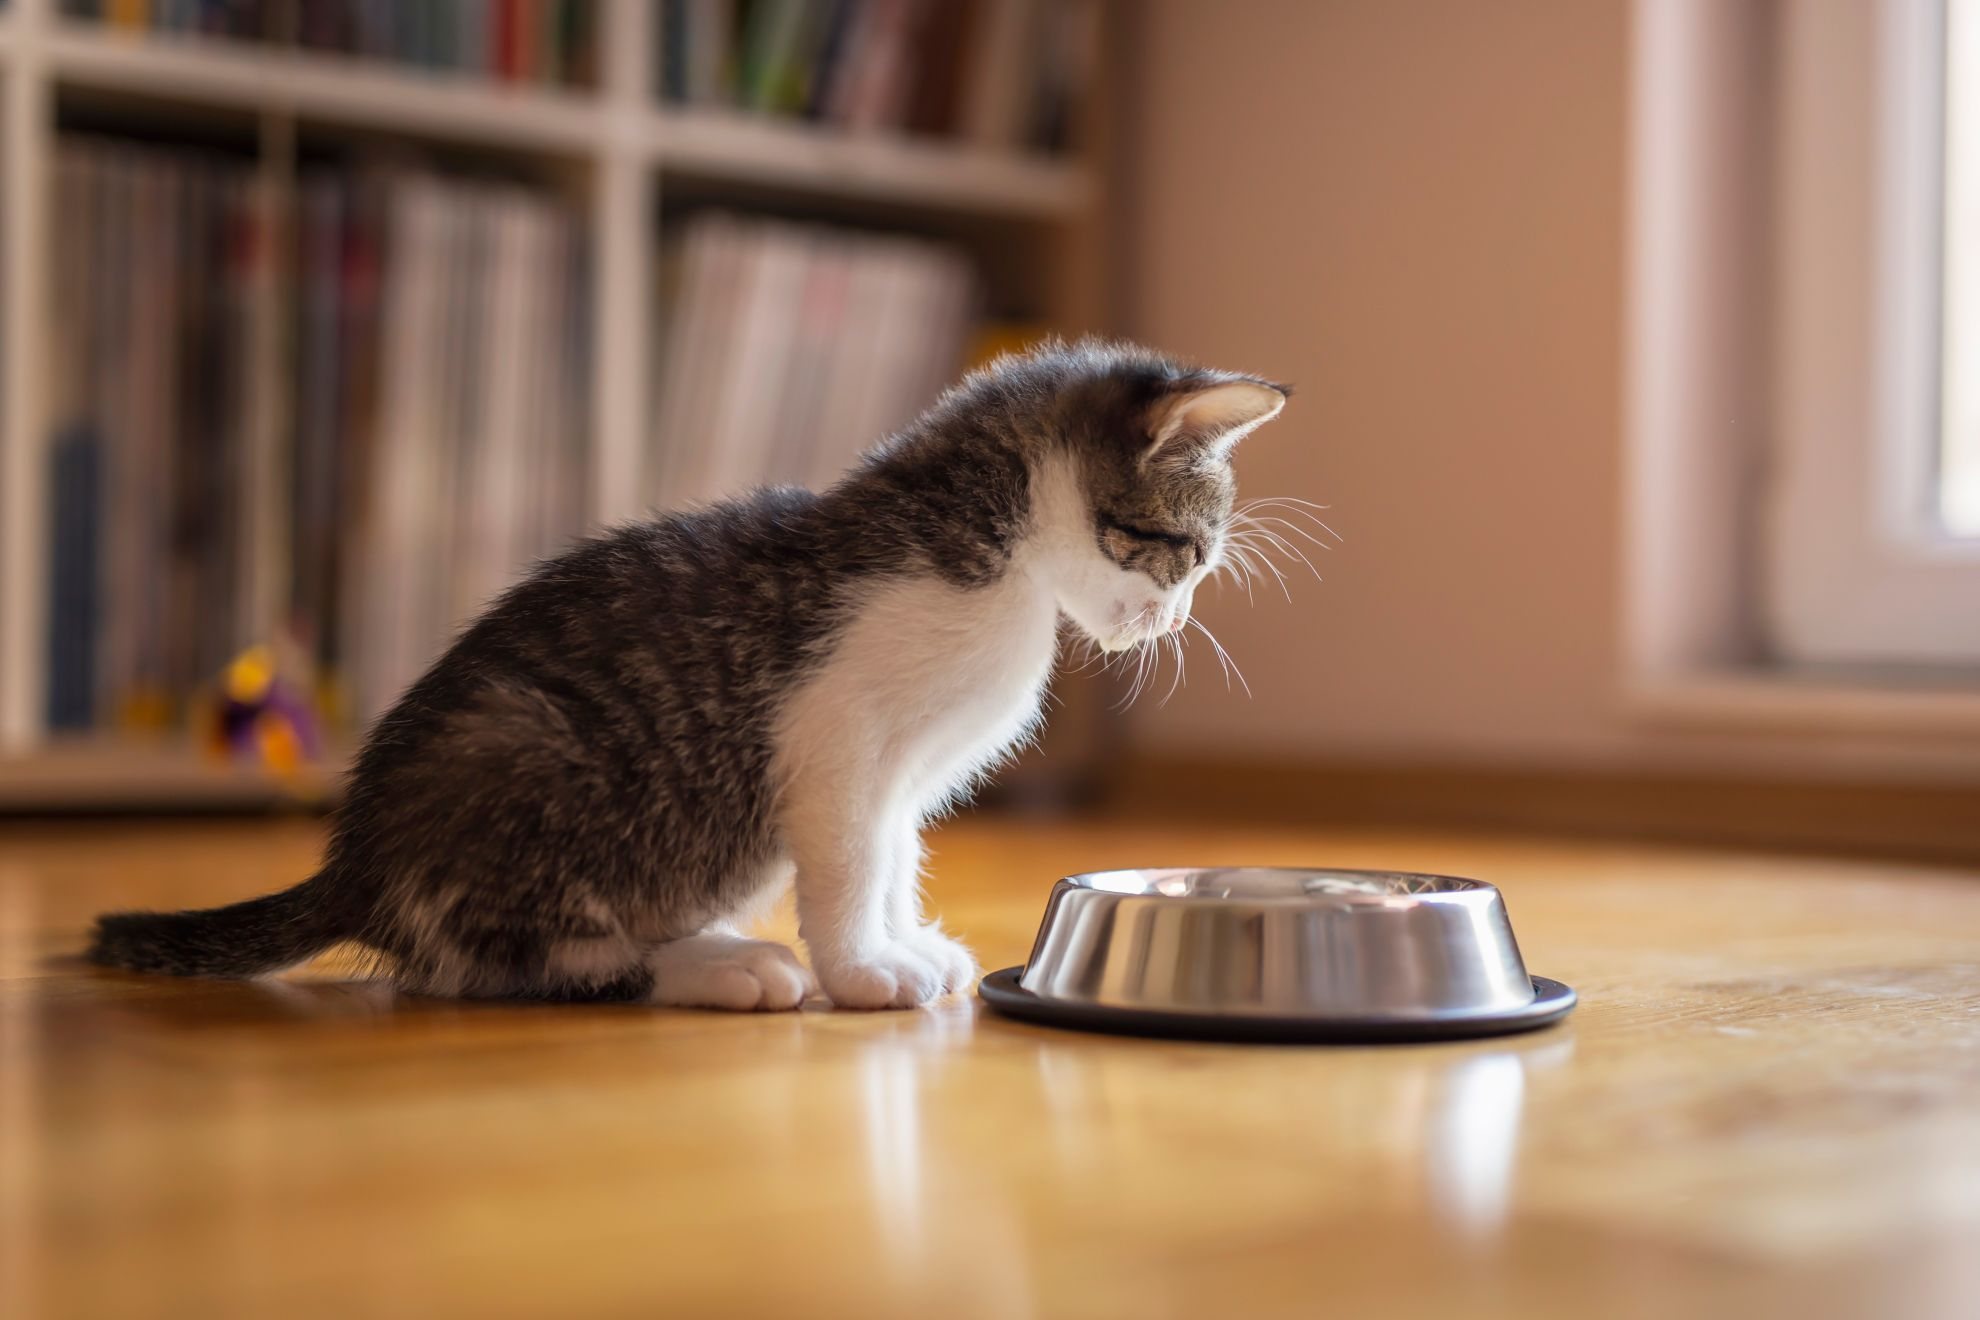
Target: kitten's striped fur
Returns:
[[655, 731]]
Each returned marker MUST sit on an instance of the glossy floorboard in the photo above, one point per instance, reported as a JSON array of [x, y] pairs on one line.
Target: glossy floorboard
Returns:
[[1767, 1103]]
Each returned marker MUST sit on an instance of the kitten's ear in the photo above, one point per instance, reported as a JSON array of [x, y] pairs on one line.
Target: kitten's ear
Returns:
[[1204, 425]]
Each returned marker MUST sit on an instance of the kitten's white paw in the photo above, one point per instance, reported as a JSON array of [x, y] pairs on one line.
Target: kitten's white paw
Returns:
[[902, 974], [727, 971], [951, 957]]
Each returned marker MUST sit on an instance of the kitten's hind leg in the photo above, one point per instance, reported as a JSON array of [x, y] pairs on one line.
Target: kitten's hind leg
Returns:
[[720, 969], [633, 986]]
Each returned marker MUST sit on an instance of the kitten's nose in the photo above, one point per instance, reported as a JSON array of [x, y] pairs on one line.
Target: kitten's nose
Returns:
[[1176, 624]]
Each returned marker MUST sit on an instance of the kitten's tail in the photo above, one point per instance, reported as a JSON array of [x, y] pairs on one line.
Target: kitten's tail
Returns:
[[243, 939]]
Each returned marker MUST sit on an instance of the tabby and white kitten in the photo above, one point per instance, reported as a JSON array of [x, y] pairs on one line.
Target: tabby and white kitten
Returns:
[[639, 745]]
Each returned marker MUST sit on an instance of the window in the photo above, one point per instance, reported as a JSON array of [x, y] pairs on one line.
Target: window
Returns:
[[1872, 534], [1803, 374], [1958, 471]]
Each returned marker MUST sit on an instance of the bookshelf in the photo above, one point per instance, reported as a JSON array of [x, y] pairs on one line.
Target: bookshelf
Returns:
[[613, 148]]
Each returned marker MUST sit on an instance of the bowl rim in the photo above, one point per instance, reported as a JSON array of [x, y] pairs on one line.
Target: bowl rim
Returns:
[[1002, 993], [1438, 888]]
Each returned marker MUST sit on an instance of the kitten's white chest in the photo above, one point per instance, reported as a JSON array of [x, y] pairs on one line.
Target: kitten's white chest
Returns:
[[933, 682], [986, 693]]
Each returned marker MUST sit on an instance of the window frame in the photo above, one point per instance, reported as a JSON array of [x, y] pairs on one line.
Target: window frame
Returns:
[[1858, 568], [1698, 425]]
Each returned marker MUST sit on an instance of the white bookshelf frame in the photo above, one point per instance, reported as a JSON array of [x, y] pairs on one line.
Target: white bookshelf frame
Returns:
[[619, 134]]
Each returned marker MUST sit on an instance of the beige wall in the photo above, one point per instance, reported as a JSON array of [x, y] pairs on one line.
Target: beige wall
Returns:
[[1415, 211], [1412, 211]]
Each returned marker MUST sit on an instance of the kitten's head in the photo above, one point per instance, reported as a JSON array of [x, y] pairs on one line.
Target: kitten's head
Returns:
[[1148, 512]]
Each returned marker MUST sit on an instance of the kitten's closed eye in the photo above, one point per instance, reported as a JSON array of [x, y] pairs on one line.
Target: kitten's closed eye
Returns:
[[1142, 532], [1163, 553]]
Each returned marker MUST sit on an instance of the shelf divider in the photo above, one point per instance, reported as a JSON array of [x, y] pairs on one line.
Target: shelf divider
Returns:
[[341, 89], [25, 171]]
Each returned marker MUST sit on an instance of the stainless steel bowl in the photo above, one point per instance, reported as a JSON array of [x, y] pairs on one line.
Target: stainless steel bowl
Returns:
[[1260, 951]]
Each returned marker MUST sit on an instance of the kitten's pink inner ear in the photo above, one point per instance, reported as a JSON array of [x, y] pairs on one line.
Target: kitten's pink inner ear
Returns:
[[1210, 422]]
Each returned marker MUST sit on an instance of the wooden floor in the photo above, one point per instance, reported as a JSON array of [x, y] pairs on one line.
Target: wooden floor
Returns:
[[1768, 1103]]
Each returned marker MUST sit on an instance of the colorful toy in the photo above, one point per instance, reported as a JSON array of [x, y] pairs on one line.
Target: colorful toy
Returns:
[[261, 715]]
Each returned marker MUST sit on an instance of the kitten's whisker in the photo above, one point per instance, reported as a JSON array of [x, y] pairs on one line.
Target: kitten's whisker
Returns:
[[1134, 687], [1321, 523], [1222, 663], [1265, 559], [1081, 655], [1123, 701], [1255, 518], [1293, 504], [1175, 647], [1258, 524], [1307, 507], [1238, 564], [1285, 499], [1289, 548], [1225, 657], [1235, 572], [1258, 520], [1293, 550]]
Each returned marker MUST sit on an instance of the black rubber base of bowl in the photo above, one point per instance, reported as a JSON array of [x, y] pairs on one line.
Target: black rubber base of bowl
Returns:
[[1000, 990]]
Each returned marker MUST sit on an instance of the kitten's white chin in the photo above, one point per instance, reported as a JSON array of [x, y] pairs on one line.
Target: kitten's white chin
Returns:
[[1120, 639]]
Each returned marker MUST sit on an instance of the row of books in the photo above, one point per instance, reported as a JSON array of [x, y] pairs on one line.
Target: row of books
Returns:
[[159, 468], [477, 458], [435, 448], [790, 348], [1003, 73], [528, 41], [1009, 74]]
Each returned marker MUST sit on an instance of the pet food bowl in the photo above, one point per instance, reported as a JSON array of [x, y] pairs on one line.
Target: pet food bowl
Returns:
[[1264, 953]]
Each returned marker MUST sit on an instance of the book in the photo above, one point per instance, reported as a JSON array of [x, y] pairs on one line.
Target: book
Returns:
[[1006, 74], [548, 42], [789, 348], [993, 99]]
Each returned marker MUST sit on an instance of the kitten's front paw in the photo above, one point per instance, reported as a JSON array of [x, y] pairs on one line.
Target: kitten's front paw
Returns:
[[903, 974], [950, 956]]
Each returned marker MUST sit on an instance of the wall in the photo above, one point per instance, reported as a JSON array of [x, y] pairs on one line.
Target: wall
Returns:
[[1416, 213]]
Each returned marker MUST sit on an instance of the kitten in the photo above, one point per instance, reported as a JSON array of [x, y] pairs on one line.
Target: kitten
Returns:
[[640, 744]]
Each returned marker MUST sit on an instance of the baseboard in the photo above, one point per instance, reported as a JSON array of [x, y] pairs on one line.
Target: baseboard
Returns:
[[1928, 822]]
